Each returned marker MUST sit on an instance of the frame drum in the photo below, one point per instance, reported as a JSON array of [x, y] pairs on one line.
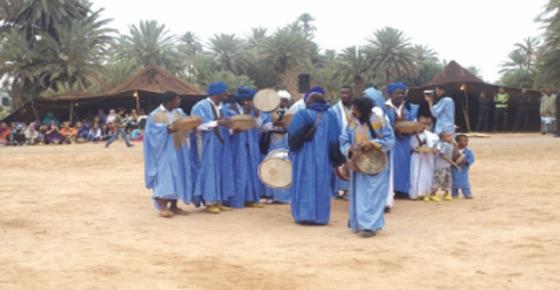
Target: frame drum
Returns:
[[276, 169]]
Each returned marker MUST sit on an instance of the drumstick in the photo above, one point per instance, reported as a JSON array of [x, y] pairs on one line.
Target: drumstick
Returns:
[[450, 162]]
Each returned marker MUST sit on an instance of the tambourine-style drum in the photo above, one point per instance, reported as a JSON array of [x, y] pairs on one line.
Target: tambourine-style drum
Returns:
[[424, 149], [242, 122], [408, 127], [276, 169], [266, 100], [186, 124], [371, 162]]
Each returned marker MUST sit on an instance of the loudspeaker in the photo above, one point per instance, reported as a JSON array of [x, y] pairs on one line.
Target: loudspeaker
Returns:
[[304, 83]]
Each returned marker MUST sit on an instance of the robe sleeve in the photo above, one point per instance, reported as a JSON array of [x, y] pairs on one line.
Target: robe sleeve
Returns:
[[297, 131], [385, 138], [346, 142], [439, 108], [469, 157], [155, 138], [336, 156], [208, 122]]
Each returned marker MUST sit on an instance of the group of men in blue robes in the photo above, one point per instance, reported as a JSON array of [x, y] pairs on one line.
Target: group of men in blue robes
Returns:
[[217, 166]]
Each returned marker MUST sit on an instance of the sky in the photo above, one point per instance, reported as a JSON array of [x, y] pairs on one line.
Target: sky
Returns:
[[478, 33]]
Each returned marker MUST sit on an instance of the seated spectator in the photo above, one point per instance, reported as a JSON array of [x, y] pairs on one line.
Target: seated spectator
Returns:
[[112, 116], [5, 132], [95, 134], [17, 135], [33, 136], [68, 133], [82, 132], [49, 118], [52, 136], [101, 117]]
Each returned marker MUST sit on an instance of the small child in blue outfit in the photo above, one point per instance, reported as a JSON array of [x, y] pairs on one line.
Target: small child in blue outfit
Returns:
[[461, 176]]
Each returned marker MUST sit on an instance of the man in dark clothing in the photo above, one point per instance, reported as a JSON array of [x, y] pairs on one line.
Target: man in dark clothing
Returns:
[[501, 101], [522, 112], [484, 106]]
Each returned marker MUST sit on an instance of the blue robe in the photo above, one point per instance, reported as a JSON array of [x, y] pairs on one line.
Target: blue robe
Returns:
[[246, 159], [340, 184], [169, 159], [368, 193], [214, 182], [311, 173], [461, 177], [444, 112], [402, 152], [277, 141]]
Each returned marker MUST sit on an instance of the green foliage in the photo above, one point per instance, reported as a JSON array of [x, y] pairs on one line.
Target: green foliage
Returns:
[[549, 56]]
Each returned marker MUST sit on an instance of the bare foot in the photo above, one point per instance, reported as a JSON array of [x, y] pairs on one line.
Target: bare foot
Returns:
[[165, 213], [178, 211]]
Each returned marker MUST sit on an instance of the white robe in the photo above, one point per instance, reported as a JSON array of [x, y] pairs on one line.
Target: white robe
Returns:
[[422, 166]]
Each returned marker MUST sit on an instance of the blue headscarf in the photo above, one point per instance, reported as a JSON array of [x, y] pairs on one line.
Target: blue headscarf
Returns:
[[313, 91], [392, 87], [217, 88], [244, 93], [376, 96]]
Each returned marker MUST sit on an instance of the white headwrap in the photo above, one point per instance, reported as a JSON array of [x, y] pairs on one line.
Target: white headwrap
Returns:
[[285, 95]]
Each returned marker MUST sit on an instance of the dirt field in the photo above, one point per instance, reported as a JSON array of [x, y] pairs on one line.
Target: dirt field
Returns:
[[79, 217]]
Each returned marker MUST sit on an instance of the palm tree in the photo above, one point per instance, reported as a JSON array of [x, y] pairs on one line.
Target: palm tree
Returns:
[[229, 52], [190, 44], [390, 53], [517, 61], [257, 35], [549, 56], [33, 17], [151, 43], [308, 29], [352, 67], [288, 51], [529, 50]]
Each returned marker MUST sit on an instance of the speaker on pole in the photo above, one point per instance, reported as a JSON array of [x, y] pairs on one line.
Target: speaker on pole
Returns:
[[304, 83]]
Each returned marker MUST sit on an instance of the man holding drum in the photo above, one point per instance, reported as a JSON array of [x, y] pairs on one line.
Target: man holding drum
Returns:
[[368, 191], [400, 110], [168, 158], [212, 186]]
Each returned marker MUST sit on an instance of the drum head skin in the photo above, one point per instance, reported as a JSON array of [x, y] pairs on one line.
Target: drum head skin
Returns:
[[276, 170], [242, 122], [408, 127], [371, 162], [187, 123], [266, 100]]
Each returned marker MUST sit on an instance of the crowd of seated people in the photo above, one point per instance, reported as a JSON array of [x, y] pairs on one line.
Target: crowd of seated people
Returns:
[[91, 129]]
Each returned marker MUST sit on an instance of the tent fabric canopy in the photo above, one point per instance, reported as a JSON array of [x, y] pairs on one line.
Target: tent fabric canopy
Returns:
[[454, 72], [150, 82]]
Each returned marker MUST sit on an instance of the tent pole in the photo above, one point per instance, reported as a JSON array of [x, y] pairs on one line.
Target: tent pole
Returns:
[[71, 112], [137, 98], [466, 110], [34, 110]]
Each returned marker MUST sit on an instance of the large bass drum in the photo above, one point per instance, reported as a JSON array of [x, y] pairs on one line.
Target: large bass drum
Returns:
[[276, 169]]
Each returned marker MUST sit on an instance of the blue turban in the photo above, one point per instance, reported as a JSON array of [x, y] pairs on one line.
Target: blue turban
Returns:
[[314, 91], [217, 88], [376, 96], [392, 87], [244, 93]]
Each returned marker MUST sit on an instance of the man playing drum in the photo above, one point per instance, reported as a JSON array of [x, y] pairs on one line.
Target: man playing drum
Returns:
[[368, 193]]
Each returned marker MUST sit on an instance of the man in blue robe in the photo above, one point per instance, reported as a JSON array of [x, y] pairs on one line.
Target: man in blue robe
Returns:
[[213, 186], [169, 158], [368, 193], [275, 129], [399, 109], [443, 110], [380, 119], [343, 111], [246, 152], [314, 150]]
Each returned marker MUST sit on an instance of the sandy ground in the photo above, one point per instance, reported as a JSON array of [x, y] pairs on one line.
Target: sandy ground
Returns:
[[78, 217]]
